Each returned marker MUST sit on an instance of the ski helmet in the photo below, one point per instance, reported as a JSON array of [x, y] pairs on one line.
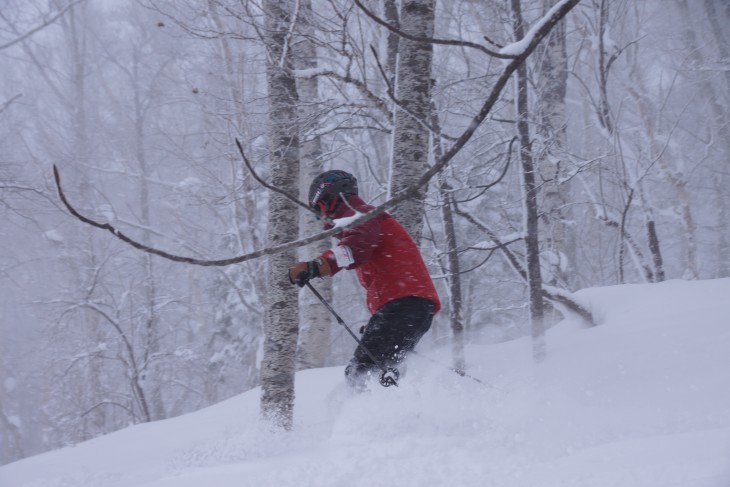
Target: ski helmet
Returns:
[[325, 190]]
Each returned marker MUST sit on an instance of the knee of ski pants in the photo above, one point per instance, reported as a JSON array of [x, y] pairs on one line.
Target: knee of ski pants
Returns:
[[392, 332]]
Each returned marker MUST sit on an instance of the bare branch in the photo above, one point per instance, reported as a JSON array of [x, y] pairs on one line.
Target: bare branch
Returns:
[[267, 185], [407, 193], [109, 403], [360, 86], [443, 42], [485, 187], [41, 26], [553, 294], [201, 262], [402, 106], [5, 105]]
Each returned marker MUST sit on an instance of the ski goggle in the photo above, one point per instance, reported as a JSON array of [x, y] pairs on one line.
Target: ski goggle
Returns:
[[326, 205]]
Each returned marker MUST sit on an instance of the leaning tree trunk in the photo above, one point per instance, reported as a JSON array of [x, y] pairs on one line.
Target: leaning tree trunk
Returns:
[[281, 327], [413, 92], [532, 242]]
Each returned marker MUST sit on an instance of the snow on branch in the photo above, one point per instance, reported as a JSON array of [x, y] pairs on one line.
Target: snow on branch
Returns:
[[561, 297], [346, 78], [518, 48], [536, 35]]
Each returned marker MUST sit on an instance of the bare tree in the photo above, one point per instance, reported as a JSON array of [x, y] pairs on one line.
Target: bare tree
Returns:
[[46, 19], [237, 325], [316, 321], [530, 190], [627, 178], [452, 256], [720, 118], [550, 104], [413, 92], [12, 444], [282, 320]]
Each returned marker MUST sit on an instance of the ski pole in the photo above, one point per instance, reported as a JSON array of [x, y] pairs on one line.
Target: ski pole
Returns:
[[459, 372], [390, 375]]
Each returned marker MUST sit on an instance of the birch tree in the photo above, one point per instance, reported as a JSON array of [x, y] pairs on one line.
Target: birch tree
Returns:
[[282, 317], [234, 343], [622, 171], [409, 160], [552, 80], [715, 89], [278, 365], [316, 321], [722, 182]]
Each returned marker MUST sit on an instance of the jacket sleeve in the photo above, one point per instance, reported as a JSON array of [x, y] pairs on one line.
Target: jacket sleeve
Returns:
[[360, 242]]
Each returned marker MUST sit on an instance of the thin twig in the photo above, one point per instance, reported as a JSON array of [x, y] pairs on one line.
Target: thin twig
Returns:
[[409, 192], [41, 26], [5, 105], [267, 185], [431, 40], [401, 105]]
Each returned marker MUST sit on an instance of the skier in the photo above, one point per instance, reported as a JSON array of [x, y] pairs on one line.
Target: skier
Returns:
[[400, 294]]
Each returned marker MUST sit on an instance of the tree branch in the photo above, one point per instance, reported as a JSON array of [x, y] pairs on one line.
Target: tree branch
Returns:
[[410, 192], [430, 40], [5, 105], [359, 86], [267, 185], [553, 294], [40, 27], [401, 105]]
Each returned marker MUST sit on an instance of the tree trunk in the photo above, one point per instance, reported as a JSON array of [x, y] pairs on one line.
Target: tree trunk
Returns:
[[81, 147], [316, 321], [652, 236], [151, 342], [454, 272], [605, 118], [391, 15], [721, 182], [413, 90], [532, 243], [674, 178], [551, 90], [281, 327], [453, 268], [233, 322]]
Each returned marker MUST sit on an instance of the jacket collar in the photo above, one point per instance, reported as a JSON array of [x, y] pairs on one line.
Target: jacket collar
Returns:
[[345, 209]]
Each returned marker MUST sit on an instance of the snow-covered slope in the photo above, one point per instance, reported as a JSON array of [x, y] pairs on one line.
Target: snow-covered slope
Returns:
[[641, 400]]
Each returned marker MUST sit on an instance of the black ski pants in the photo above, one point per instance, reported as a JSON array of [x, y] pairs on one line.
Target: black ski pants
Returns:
[[392, 332]]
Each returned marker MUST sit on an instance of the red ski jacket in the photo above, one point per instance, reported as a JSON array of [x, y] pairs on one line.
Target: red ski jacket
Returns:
[[387, 262]]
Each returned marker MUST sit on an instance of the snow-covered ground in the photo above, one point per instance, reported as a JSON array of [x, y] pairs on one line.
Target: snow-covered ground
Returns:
[[641, 400]]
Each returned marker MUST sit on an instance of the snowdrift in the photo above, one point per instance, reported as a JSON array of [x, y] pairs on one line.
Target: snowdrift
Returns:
[[641, 400]]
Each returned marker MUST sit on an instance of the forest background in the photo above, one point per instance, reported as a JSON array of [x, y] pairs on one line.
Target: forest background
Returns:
[[622, 111]]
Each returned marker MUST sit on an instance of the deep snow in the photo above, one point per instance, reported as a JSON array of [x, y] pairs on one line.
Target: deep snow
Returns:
[[641, 400]]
